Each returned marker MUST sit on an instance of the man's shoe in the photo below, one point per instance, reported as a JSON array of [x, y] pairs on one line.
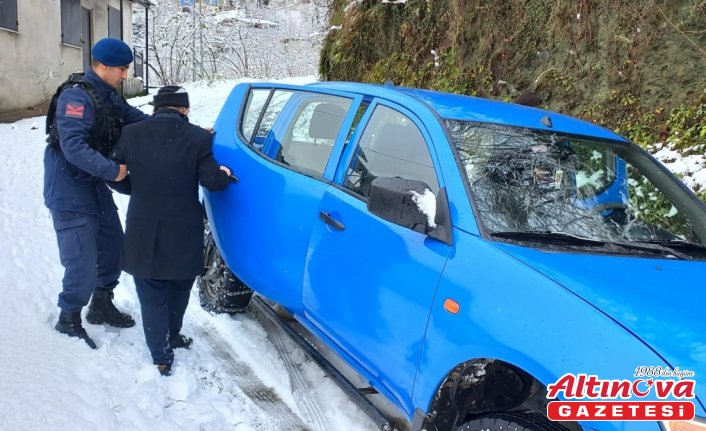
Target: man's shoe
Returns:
[[70, 324], [179, 341], [165, 370], [101, 310]]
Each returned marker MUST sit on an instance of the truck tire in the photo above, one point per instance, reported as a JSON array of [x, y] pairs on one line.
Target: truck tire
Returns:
[[220, 291], [510, 421]]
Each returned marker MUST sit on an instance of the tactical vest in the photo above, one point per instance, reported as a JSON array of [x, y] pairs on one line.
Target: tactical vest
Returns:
[[107, 124]]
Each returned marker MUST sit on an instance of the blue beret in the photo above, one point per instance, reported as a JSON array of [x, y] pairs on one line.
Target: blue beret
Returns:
[[112, 52]]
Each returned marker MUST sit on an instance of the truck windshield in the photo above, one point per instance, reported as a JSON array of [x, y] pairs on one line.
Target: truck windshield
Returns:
[[528, 181]]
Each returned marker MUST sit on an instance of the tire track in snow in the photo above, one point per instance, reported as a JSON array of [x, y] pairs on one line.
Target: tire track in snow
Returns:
[[244, 377], [304, 392]]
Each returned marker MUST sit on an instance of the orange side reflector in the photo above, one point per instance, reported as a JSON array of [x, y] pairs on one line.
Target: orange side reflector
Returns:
[[451, 306]]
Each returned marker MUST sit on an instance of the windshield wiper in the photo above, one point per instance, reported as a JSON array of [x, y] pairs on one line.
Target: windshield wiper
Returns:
[[568, 239], [654, 247], [548, 236], [679, 244]]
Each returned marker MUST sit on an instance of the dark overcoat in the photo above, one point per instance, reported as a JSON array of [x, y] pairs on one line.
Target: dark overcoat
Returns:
[[167, 158]]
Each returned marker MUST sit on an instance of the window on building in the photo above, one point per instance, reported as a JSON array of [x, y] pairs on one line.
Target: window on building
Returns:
[[71, 22], [8, 14], [114, 23]]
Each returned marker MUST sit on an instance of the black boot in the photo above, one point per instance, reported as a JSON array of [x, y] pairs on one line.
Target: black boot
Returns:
[[70, 324], [179, 341], [102, 310]]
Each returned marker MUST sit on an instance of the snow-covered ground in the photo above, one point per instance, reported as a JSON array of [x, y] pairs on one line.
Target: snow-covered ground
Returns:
[[690, 168], [53, 382]]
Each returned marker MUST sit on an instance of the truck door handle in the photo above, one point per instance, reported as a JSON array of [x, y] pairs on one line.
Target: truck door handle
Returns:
[[326, 218]]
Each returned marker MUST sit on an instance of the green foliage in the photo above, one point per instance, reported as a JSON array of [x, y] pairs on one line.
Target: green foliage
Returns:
[[624, 114], [684, 127], [687, 126], [336, 9]]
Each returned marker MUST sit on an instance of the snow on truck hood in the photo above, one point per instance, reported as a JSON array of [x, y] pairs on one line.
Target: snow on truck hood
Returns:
[[662, 301]]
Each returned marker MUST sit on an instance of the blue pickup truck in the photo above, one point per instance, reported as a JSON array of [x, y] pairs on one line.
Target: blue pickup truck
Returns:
[[461, 254]]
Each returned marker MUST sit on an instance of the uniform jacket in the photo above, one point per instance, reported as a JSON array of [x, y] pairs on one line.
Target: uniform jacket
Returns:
[[167, 157], [74, 178]]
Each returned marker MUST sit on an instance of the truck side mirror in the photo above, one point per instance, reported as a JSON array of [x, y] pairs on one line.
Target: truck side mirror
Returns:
[[392, 199]]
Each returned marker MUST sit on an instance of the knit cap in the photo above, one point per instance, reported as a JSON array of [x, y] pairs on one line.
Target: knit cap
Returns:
[[171, 95]]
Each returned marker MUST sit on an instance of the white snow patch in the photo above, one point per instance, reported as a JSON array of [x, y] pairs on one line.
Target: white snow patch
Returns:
[[426, 202], [691, 169]]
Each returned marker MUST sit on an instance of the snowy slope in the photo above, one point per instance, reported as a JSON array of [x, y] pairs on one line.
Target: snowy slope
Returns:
[[53, 382]]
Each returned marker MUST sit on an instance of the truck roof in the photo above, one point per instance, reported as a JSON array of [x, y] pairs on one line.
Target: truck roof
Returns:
[[469, 108]]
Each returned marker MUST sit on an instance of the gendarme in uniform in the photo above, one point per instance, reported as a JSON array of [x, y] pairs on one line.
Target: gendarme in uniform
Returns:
[[88, 117]]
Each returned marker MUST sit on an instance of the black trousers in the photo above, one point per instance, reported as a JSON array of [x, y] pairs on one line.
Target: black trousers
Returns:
[[163, 304]]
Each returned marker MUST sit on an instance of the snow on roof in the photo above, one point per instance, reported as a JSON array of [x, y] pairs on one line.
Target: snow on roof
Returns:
[[239, 15], [146, 3]]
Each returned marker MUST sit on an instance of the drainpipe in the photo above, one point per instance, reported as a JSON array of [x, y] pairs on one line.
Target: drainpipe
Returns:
[[122, 86], [193, 43], [201, 36], [146, 59], [121, 20]]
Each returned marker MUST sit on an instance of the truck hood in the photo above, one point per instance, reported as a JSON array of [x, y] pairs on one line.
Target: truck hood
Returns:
[[661, 301]]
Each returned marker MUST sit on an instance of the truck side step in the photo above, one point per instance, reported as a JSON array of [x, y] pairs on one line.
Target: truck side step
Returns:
[[358, 396]]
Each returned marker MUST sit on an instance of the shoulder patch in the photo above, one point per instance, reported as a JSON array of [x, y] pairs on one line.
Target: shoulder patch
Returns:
[[74, 110]]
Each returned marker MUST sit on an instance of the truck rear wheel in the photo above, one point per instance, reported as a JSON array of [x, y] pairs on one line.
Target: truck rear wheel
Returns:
[[220, 291]]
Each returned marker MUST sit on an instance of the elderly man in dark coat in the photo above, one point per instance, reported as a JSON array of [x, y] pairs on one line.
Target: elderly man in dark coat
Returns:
[[166, 157]]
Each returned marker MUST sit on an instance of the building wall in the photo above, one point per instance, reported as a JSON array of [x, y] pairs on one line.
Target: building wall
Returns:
[[33, 60]]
